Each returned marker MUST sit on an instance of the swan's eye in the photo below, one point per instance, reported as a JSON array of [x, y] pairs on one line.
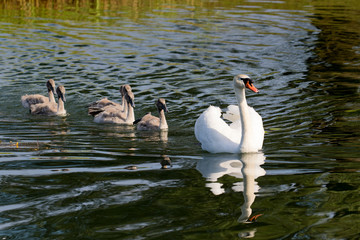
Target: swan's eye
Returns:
[[246, 80]]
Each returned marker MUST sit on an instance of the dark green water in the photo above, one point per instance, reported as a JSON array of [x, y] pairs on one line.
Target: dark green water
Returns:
[[66, 178]]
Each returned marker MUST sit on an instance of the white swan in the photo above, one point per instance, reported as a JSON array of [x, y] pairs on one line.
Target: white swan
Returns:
[[28, 100], [51, 108], [244, 134], [115, 114], [150, 122]]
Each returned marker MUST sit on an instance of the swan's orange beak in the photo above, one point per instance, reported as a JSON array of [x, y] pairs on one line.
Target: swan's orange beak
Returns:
[[251, 87]]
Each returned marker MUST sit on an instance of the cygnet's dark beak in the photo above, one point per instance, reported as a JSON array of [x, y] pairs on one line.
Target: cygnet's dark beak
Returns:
[[130, 100]]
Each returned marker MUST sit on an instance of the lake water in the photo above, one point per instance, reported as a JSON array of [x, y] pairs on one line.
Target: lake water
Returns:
[[67, 177]]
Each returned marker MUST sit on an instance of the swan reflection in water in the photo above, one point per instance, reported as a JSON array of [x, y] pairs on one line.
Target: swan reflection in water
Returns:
[[244, 166], [154, 136]]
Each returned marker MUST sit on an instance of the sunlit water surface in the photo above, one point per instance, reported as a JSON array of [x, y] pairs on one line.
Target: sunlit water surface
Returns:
[[68, 177]]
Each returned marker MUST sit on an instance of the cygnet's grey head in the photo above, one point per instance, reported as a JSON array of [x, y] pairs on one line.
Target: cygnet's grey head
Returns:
[[50, 84], [129, 97], [60, 91], [161, 105]]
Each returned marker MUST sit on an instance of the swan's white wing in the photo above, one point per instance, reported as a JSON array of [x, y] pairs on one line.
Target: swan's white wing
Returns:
[[236, 125], [257, 131], [232, 113], [214, 134]]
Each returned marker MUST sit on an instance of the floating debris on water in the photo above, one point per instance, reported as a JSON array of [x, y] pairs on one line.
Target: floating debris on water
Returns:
[[62, 170], [131, 167], [165, 162], [21, 145]]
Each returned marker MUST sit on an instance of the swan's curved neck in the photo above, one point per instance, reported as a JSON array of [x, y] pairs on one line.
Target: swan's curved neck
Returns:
[[123, 103], [61, 108], [51, 96], [163, 123], [244, 118], [130, 118], [240, 96]]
